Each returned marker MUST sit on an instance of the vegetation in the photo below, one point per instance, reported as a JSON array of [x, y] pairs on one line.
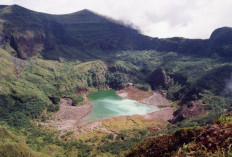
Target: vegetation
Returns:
[[190, 142], [38, 86], [44, 58], [76, 99], [144, 87]]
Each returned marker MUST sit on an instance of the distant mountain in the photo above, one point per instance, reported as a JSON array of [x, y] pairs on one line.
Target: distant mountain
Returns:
[[86, 35], [78, 35], [220, 42], [194, 74]]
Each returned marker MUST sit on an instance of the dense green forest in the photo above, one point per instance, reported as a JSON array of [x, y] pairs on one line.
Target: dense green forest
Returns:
[[52, 57]]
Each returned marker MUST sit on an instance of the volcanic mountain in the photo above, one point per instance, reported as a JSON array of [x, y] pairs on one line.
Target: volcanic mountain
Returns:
[[86, 35]]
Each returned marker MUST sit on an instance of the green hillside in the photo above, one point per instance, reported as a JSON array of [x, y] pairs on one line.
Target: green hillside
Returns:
[[44, 58], [213, 140]]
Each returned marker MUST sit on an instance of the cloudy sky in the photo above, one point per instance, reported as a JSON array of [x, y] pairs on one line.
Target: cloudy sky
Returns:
[[157, 18]]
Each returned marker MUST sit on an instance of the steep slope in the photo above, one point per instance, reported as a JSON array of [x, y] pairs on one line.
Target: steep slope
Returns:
[[193, 73], [79, 35], [213, 140], [220, 42], [14, 145], [86, 35]]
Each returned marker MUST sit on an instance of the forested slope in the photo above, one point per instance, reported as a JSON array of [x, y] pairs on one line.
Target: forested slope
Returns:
[[47, 57]]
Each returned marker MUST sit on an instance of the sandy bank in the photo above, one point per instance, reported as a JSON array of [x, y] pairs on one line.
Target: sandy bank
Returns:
[[145, 97], [164, 114], [69, 116], [156, 121]]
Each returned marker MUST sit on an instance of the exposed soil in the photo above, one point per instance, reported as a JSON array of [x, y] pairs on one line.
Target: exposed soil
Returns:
[[187, 111], [69, 116], [150, 98], [164, 114], [157, 120], [91, 127]]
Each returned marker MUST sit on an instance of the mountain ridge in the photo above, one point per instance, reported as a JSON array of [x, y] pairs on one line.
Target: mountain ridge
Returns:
[[85, 35], [83, 52], [77, 32]]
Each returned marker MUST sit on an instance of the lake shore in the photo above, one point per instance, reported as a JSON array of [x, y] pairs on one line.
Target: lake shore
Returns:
[[156, 121], [70, 118], [153, 98]]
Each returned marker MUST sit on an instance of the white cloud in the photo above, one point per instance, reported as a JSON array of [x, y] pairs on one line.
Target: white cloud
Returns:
[[157, 18]]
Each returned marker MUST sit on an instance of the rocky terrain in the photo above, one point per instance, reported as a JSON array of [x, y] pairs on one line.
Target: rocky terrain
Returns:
[[49, 63], [150, 98]]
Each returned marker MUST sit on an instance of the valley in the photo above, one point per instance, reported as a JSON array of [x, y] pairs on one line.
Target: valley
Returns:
[[156, 96]]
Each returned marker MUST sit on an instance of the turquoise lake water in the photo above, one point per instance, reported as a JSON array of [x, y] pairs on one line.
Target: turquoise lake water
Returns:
[[108, 104]]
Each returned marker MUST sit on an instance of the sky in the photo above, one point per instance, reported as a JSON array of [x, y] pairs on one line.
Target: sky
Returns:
[[156, 18]]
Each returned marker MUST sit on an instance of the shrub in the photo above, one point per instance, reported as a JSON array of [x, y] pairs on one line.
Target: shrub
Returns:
[[115, 80], [144, 87], [110, 136], [18, 120], [164, 145], [34, 108], [55, 100], [77, 99], [53, 107], [173, 93]]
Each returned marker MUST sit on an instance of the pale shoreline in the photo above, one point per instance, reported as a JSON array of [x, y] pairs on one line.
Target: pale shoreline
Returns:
[[142, 115], [124, 94], [153, 98], [72, 117]]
